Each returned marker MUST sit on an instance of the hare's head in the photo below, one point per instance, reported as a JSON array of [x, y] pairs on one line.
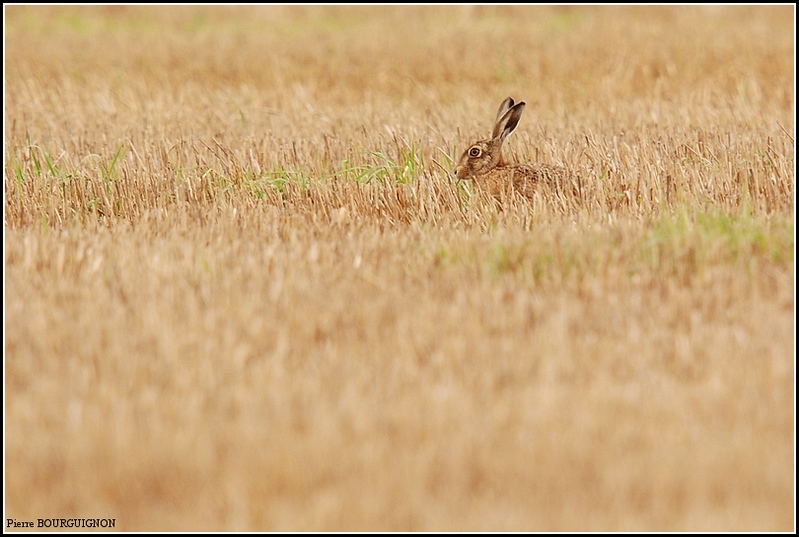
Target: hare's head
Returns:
[[485, 155]]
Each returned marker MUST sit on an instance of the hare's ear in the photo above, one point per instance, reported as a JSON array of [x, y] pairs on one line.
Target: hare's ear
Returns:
[[508, 122], [504, 107]]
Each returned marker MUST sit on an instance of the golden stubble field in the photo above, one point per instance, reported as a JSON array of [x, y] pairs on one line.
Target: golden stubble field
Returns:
[[241, 291]]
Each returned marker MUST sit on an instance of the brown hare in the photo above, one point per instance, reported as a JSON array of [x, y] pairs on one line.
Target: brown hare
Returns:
[[483, 162]]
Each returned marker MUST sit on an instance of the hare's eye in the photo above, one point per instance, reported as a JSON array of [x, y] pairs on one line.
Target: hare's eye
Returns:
[[474, 152]]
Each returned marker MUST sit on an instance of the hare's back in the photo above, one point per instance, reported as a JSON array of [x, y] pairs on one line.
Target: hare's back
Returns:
[[527, 177]]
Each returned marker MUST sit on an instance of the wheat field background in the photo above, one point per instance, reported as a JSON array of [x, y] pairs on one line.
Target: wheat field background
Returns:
[[243, 292]]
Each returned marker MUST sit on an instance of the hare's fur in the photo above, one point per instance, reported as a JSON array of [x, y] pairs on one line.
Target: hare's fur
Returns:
[[484, 164]]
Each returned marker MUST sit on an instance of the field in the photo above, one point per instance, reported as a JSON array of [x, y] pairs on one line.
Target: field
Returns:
[[243, 291]]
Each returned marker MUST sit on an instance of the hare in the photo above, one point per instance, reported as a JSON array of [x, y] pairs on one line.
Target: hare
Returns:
[[483, 162]]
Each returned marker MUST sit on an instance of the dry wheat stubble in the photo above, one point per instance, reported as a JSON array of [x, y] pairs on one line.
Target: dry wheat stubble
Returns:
[[236, 300]]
